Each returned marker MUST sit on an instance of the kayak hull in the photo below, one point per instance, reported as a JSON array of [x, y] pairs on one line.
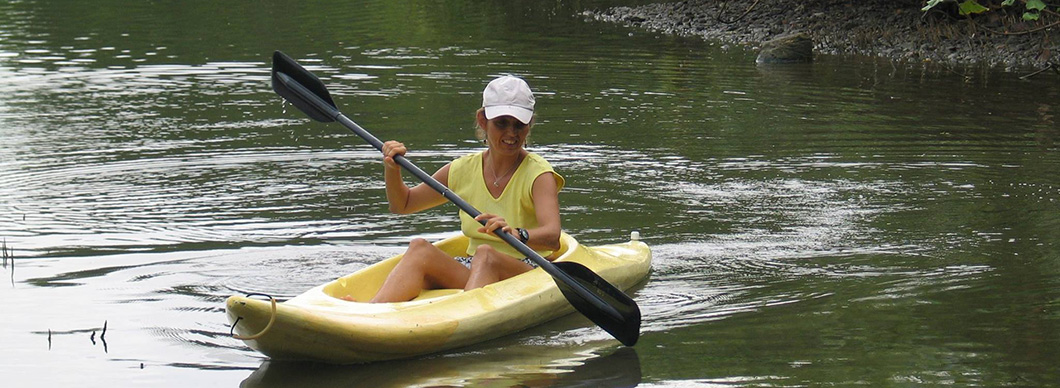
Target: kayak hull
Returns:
[[317, 325]]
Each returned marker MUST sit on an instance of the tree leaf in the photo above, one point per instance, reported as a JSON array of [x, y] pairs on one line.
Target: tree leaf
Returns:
[[1036, 5], [971, 6], [1030, 16], [1008, 2]]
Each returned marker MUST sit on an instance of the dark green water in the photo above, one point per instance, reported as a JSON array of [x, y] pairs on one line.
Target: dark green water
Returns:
[[849, 222]]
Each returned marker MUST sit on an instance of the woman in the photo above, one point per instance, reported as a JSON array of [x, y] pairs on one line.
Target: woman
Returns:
[[517, 192]]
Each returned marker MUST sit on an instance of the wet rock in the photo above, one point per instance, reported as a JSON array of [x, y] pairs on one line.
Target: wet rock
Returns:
[[790, 48]]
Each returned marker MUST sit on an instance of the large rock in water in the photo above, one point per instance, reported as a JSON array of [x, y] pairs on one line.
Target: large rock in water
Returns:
[[790, 48]]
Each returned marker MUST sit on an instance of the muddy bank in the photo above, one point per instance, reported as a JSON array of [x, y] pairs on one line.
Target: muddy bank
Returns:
[[895, 29]]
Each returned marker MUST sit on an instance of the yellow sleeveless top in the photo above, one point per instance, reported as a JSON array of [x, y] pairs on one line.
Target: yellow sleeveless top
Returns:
[[515, 204]]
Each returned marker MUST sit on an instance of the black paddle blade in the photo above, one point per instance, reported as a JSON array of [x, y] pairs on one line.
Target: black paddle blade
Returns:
[[626, 326], [285, 87]]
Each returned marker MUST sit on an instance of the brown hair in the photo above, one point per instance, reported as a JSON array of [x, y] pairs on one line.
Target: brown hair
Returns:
[[480, 118]]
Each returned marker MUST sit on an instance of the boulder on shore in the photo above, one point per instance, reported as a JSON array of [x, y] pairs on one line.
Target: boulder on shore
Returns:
[[790, 48]]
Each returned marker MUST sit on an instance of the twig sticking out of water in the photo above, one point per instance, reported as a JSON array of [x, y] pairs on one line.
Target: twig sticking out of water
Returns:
[[1047, 67], [9, 255], [102, 335], [49, 339]]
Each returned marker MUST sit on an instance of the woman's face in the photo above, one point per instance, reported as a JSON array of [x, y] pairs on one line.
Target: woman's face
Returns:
[[506, 134]]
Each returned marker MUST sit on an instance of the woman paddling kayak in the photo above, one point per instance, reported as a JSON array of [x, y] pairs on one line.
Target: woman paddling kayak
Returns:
[[516, 190], [319, 325]]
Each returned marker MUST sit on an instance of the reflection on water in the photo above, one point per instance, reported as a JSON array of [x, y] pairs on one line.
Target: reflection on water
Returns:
[[845, 222], [522, 365]]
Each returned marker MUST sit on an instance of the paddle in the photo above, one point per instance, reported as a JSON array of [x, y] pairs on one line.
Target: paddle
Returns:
[[590, 294]]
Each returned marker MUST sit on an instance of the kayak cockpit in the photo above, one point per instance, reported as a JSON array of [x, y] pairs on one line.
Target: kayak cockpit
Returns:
[[364, 284]]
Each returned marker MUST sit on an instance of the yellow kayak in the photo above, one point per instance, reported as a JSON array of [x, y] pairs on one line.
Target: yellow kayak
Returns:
[[318, 325]]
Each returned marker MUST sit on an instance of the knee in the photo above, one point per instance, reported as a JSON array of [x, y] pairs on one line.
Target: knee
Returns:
[[417, 247], [485, 250], [414, 254], [418, 243], [484, 255]]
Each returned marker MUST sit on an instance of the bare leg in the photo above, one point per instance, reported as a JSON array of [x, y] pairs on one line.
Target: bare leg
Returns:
[[491, 266], [424, 266]]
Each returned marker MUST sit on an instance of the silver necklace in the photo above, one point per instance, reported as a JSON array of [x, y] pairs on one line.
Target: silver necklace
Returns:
[[497, 179]]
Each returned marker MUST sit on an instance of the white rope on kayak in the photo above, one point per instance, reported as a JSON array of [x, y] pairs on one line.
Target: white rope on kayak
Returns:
[[272, 319]]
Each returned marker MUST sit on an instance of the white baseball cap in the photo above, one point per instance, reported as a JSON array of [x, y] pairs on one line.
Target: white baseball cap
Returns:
[[508, 96]]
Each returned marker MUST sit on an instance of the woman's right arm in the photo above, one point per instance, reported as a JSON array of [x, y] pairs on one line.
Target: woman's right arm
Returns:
[[403, 199]]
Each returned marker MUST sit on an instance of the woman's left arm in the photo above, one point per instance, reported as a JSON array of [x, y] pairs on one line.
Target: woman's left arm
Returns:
[[546, 206]]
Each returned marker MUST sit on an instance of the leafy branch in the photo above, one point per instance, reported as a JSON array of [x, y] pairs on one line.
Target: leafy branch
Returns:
[[1033, 9]]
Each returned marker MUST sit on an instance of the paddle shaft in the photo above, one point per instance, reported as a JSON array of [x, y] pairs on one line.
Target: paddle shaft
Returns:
[[470, 210], [404, 162]]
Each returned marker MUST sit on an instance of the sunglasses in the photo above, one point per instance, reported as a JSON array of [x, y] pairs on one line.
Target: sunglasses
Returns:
[[508, 122]]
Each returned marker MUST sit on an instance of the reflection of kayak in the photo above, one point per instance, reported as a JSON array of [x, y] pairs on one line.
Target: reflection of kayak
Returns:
[[317, 325], [511, 363]]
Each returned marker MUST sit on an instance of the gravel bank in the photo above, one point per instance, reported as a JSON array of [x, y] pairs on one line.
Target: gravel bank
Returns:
[[895, 29]]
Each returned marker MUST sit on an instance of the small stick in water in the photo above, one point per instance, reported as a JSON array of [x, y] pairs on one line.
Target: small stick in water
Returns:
[[105, 350]]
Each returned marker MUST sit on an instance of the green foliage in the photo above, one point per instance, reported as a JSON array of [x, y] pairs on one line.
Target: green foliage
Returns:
[[1036, 5], [971, 6], [1033, 8]]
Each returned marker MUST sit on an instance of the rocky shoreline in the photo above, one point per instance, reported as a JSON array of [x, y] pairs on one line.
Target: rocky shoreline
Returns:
[[894, 29]]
